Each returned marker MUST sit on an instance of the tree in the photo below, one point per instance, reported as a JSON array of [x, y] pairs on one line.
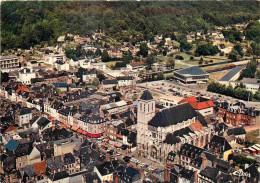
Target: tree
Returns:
[[250, 70], [170, 63], [239, 49], [160, 76], [201, 61], [98, 52], [257, 75], [95, 82], [127, 57], [252, 31], [179, 57], [234, 56], [75, 52], [149, 61], [101, 76], [206, 49], [144, 49], [90, 53], [105, 57], [80, 72]]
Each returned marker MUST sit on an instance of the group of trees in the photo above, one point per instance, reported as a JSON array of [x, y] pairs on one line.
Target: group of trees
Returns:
[[232, 35], [238, 92], [250, 70], [252, 31], [240, 160], [206, 49], [236, 53], [78, 52], [26, 24]]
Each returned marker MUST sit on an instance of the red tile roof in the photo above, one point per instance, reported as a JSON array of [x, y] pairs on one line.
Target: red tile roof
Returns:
[[22, 88], [197, 105], [40, 168], [136, 64], [11, 128], [196, 126]]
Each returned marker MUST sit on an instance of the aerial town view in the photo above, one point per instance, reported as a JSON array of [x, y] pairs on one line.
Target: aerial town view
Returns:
[[130, 92]]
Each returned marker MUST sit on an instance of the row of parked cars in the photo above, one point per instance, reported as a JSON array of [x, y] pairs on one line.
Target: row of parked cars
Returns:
[[148, 169]]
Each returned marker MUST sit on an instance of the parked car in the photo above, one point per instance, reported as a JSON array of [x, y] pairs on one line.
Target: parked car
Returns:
[[123, 147]]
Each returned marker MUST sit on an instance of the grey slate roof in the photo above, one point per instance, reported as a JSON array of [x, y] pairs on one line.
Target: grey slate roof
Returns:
[[195, 71], [60, 84], [109, 82], [107, 167], [25, 111], [43, 122], [146, 95], [173, 115], [236, 131], [125, 78], [231, 73], [219, 142], [59, 176]]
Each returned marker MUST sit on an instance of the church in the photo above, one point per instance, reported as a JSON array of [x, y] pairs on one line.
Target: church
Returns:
[[163, 132]]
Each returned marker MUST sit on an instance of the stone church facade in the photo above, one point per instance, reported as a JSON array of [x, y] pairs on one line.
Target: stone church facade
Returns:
[[166, 131]]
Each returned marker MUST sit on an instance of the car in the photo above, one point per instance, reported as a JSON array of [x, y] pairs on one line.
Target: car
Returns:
[[158, 171], [123, 147]]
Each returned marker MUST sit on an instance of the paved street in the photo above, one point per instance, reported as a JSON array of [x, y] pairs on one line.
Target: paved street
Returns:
[[134, 155]]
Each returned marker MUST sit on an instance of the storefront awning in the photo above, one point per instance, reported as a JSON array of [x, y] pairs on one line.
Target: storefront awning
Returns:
[[80, 131], [74, 128]]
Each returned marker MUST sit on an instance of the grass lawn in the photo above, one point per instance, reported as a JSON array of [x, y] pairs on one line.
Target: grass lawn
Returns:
[[110, 64], [168, 75], [180, 66], [218, 75], [252, 136], [216, 67], [255, 100]]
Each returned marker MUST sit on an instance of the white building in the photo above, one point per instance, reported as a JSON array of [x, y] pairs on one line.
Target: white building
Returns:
[[89, 75], [191, 75], [9, 62], [41, 123], [126, 81], [170, 100], [24, 117], [251, 84], [26, 75], [52, 58], [62, 66], [135, 66]]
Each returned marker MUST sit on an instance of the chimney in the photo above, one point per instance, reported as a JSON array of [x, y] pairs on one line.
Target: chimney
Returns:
[[204, 160], [28, 137], [117, 178], [107, 157], [52, 157], [195, 177], [167, 173], [142, 174], [67, 170], [62, 157], [44, 158]]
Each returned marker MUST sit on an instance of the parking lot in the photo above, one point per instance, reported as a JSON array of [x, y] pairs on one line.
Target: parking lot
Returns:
[[164, 87]]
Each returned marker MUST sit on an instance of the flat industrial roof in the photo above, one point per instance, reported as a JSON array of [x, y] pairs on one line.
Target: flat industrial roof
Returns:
[[231, 73]]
